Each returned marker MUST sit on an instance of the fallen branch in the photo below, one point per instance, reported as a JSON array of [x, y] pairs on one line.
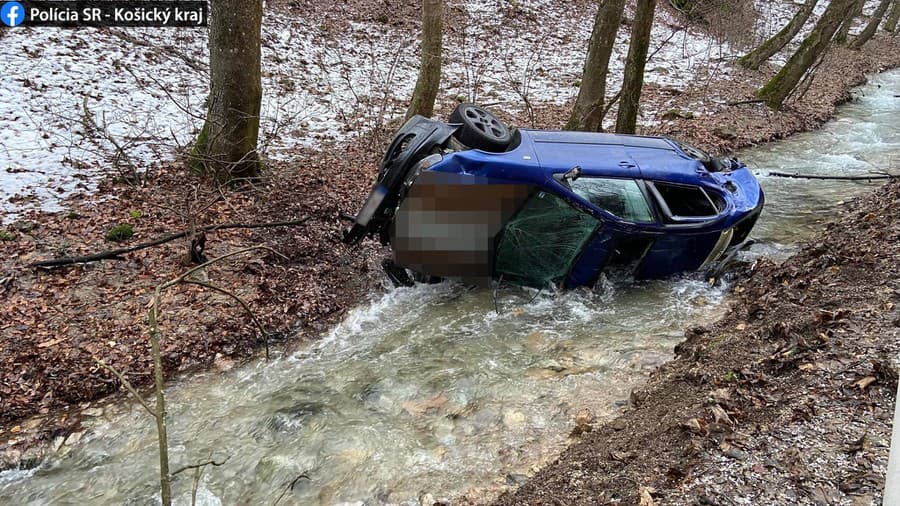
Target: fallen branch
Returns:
[[116, 254], [201, 464], [752, 101], [881, 175]]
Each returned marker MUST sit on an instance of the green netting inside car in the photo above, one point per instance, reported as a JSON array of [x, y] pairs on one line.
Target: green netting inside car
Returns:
[[540, 243]]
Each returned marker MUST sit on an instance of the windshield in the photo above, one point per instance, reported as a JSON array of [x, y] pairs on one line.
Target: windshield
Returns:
[[542, 241]]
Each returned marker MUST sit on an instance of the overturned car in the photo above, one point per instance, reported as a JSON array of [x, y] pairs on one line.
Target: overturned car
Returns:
[[472, 200]]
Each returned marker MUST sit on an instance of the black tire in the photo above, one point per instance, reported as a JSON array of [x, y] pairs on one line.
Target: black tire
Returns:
[[480, 129]]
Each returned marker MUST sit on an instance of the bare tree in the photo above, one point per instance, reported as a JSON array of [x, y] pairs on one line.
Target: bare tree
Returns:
[[226, 147], [630, 97], [430, 67], [844, 31], [872, 26], [588, 112], [758, 56], [159, 411], [780, 87], [891, 24]]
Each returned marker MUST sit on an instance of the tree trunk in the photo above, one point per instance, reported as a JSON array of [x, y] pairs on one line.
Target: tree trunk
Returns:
[[893, 18], [630, 98], [758, 56], [780, 87], [844, 30], [588, 112], [872, 26], [430, 64], [226, 147]]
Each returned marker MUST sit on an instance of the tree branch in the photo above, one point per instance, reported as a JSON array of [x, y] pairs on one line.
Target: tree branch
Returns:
[[199, 465], [240, 301], [836, 178], [117, 253], [127, 384]]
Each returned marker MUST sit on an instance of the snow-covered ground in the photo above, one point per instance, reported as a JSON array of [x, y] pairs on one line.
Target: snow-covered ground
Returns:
[[77, 105]]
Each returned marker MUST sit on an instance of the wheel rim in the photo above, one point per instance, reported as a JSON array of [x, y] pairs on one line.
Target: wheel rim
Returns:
[[485, 122]]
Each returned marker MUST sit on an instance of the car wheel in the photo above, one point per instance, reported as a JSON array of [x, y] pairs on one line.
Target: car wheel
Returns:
[[480, 129]]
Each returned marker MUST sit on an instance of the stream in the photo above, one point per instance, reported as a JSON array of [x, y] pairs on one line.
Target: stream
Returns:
[[428, 392]]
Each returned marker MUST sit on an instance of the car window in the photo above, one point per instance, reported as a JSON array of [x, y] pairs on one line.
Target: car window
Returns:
[[685, 201], [540, 243], [621, 197]]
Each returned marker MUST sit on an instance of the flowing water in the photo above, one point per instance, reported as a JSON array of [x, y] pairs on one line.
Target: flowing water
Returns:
[[431, 392]]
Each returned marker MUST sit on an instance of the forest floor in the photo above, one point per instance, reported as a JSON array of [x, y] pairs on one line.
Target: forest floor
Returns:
[[57, 322]]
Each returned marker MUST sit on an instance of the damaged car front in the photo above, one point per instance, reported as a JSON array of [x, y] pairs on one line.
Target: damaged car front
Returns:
[[474, 201]]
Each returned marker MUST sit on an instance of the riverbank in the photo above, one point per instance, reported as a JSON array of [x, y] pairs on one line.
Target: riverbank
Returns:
[[788, 399], [58, 321]]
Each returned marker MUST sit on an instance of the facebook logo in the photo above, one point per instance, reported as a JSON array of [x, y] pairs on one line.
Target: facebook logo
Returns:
[[12, 13]]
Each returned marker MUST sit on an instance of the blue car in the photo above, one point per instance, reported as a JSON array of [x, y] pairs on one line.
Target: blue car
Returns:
[[471, 199]]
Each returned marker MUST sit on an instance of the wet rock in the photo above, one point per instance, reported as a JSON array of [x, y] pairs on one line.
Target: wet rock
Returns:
[[552, 365], [292, 419], [677, 113], [443, 431], [93, 412], [223, 363], [584, 422], [353, 456], [537, 342], [513, 419], [734, 452], [516, 480], [73, 438], [281, 468], [327, 494], [422, 406]]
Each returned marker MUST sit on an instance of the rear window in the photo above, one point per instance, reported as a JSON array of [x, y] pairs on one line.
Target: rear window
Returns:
[[685, 201], [621, 197]]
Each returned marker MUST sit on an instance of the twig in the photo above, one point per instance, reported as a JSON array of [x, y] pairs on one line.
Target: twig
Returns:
[[240, 301], [116, 253], [194, 64], [195, 484], [289, 488], [752, 101], [127, 384], [836, 178], [663, 44], [201, 464]]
